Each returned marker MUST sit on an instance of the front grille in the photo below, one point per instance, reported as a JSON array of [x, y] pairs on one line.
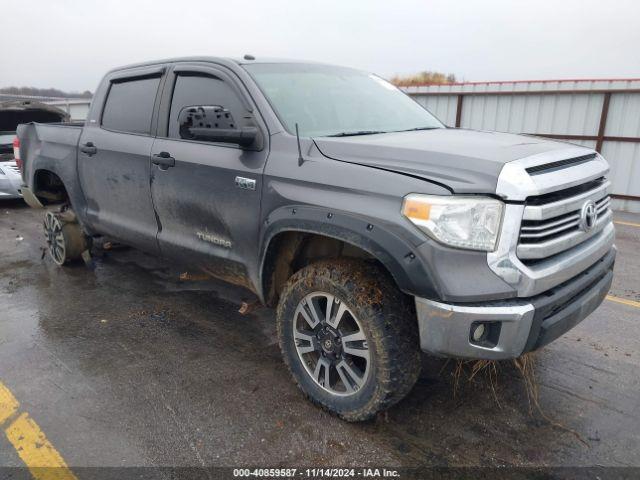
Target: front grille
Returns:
[[552, 227]]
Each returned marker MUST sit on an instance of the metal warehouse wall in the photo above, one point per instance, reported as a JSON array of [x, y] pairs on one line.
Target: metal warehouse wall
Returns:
[[600, 114], [78, 109]]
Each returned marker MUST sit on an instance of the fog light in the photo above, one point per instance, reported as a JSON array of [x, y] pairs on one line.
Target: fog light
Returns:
[[478, 332]]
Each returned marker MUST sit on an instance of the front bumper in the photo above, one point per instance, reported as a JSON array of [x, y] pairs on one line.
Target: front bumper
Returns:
[[513, 327]]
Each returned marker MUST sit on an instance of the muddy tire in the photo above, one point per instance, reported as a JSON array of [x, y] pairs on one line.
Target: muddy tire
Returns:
[[349, 337], [64, 237]]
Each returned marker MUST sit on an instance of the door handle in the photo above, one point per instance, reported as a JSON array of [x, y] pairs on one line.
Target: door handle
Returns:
[[164, 160], [88, 149]]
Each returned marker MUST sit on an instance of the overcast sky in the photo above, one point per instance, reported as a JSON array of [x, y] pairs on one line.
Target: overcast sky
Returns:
[[70, 44]]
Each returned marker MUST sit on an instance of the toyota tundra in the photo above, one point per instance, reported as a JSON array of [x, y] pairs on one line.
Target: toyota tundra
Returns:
[[374, 229]]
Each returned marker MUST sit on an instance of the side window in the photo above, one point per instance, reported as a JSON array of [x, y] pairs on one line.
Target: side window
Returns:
[[203, 90], [129, 105]]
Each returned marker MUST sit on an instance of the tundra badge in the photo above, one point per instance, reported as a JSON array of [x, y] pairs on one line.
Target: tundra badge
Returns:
[[215, 239], [246, 183]]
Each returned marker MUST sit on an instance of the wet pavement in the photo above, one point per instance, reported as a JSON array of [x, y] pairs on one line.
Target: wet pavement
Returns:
[[128, 365]]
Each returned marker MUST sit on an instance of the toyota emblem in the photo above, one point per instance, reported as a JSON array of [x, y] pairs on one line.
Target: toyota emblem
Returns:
[[588, 216]]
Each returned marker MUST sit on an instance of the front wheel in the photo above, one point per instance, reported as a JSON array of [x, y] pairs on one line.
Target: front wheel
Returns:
[[349, 337]]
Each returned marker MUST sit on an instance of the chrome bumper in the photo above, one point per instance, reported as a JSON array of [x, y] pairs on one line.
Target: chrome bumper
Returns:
[[518, 325], [445, 330]]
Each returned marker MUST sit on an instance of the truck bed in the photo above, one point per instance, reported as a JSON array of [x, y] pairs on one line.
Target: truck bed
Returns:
[[52, 147]]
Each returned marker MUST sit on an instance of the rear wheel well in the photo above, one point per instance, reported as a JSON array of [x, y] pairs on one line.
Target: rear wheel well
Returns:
[[291, 251], [49, 189]]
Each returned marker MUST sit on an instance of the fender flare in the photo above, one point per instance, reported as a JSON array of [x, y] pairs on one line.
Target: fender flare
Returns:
[[396, 254]]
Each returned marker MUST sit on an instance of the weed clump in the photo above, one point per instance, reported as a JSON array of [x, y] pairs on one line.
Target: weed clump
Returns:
[[491, 370]]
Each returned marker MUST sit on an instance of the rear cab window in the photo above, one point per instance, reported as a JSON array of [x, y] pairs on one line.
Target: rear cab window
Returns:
[[129, 105]]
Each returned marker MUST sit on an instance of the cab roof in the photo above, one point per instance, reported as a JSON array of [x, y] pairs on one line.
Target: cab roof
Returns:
[[228, 61]]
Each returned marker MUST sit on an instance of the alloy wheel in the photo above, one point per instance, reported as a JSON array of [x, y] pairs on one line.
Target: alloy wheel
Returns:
[[331, 344], [55, 238]]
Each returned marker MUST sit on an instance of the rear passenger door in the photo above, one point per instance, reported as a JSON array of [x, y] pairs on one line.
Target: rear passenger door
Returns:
[[114, 160], [208, 201]]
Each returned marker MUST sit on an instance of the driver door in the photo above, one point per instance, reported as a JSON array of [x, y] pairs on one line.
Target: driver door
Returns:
[[208, 199]]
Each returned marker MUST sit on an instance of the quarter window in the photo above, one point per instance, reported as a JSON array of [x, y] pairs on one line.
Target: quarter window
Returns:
[[129, 105]]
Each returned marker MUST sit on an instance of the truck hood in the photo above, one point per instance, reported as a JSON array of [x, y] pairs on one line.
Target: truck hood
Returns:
[[15, 112], [465, 161]]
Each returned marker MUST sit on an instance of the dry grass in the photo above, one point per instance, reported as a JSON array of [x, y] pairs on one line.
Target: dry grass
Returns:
[[490, 371], [423, 78]]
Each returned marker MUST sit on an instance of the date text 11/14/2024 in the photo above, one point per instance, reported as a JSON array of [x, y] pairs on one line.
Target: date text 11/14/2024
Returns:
[[316, 473]]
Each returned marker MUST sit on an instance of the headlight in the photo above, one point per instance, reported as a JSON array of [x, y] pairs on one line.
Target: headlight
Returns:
[[463, 222]]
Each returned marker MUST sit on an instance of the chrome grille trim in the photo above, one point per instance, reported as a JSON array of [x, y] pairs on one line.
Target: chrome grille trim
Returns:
[[566, 205], [536, 251], [554, 227], [566, 265], [550, 228], [530, 280], [536, 229], [566, 222], [556, 219]]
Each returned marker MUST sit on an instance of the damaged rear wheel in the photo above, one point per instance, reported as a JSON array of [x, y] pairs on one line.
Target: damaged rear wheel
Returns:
[[349, 337], [64, 237]]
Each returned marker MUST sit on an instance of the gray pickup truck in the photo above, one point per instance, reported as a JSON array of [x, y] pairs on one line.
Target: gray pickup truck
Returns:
[[375, 230]]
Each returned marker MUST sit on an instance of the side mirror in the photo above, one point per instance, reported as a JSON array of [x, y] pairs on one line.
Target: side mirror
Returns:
[[214, 123]]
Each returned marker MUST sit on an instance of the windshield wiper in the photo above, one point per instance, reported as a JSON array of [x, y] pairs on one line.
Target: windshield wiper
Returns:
[[354, 134], [418, 128], [373, 132]]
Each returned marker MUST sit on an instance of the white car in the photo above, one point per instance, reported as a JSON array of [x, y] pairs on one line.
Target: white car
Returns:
[[10, 180], [10, 177]]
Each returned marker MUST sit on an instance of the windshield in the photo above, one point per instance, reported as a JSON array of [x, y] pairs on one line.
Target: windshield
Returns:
[[326, 100]]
